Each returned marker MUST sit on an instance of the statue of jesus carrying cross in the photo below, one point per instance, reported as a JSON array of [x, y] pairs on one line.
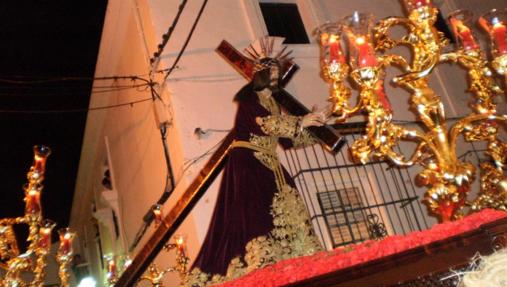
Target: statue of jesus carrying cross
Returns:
[[259, 217]]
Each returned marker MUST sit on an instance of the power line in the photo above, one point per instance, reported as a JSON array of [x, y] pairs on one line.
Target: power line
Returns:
[[73, 110], [167, 36], [65, 90], [44, 80], [186, 41], [194, 160]]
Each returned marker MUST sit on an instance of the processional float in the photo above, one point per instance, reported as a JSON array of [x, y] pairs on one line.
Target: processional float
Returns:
[[447, 177]]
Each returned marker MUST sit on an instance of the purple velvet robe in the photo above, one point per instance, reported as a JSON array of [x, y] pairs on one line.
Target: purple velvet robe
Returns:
[[242, 210]]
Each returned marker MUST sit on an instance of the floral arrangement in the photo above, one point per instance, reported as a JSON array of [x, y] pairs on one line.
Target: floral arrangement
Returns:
[[301, 268]]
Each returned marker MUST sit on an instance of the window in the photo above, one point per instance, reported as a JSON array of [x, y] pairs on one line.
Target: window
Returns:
[[284, 20], [344, 216]]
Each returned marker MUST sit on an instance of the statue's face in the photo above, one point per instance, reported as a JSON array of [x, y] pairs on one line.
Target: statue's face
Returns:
[[274, 74]]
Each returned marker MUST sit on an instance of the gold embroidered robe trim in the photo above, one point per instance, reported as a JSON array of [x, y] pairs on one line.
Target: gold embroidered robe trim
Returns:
[[287, 126], [267, 143]]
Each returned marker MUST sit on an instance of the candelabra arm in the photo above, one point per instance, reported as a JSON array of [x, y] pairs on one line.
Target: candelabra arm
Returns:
[[498, 151], [33, 233], [63, 273], [344, 112], [16, 266], [400, 160], [464, 124], [170, 269], [447, 177], [393, 60], [381, 34], [450, 57], [398, 133], [410, 79], [480, 76], [156, 276], [39, 270], [13, 221]]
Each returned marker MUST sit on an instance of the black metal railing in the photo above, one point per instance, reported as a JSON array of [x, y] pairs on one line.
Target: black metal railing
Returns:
[[350, 202]]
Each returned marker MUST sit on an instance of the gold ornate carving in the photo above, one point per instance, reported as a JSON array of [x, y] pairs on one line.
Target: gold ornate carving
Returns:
[[493, 189], [8, 244]]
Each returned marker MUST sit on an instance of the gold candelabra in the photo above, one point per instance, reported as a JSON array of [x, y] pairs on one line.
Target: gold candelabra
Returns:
[[112, 269], [155, 274], [446, 176], [34, 260]]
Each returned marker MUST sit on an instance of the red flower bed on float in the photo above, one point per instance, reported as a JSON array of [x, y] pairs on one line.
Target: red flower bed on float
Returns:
[[297, 269]]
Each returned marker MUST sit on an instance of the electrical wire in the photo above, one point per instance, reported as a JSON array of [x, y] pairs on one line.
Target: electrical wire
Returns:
[[148, 218], [62, 111], [70, 87], [208, 79], [170, 70], [65, 93], [194, 160], [43, 80], [167, 36]]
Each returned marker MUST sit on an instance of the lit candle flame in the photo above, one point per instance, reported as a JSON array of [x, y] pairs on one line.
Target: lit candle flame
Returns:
[[464, 34], [499, 34], [32, 199], [180, 244]]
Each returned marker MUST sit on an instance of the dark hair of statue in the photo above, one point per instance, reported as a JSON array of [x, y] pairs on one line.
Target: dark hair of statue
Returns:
[[260, 81]]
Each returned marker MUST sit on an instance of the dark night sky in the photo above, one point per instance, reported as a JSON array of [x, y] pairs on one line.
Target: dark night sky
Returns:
[[45, 39]]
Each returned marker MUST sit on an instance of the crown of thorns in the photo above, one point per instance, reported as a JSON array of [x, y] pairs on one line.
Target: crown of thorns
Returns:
[[263, 59]]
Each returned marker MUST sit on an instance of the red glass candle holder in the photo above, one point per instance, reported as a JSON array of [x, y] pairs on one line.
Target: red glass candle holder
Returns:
[[45, 230], [460, 22], [180, 241], [357, 28], [41, 153], [111, 267], [66, 239], [329, 41], [494, 23], [32, 200]]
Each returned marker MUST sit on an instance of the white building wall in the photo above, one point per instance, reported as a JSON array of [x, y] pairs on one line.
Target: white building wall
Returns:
[[198, 95]]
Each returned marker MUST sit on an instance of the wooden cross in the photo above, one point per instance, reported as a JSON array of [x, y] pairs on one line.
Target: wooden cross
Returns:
[[326, 134]]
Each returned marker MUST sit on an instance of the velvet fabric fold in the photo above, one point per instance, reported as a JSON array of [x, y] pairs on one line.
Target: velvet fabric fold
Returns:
[[242, 210]]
